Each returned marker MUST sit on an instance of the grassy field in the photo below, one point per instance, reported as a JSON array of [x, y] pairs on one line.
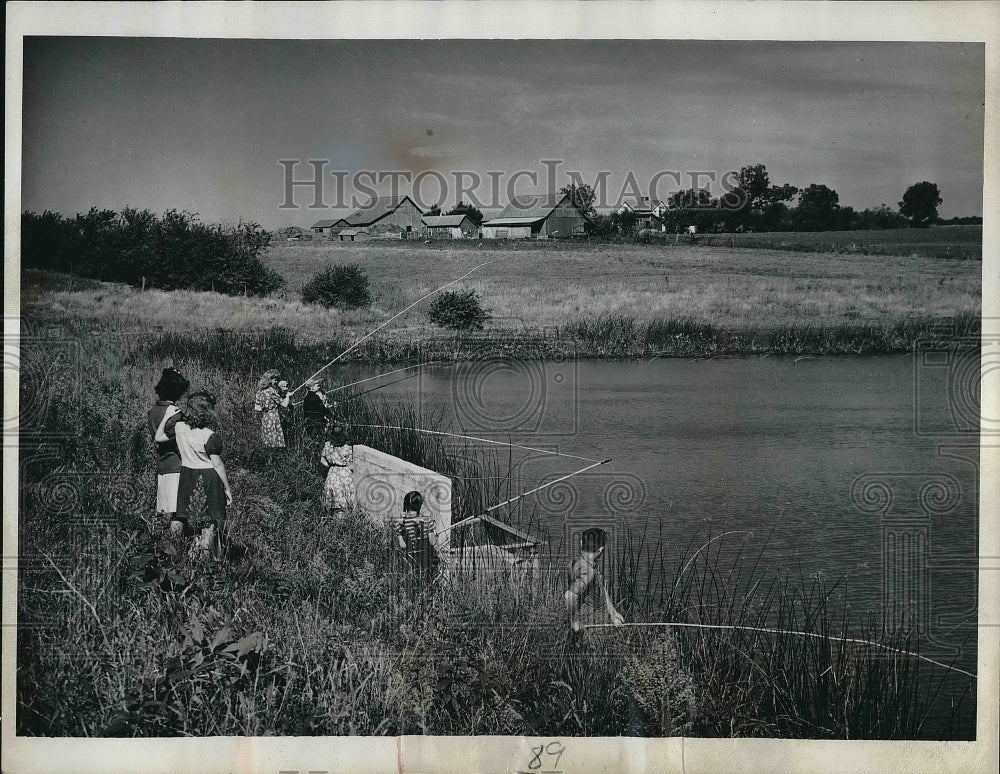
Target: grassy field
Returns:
[[590, 300], [959, 242], [310, 627]]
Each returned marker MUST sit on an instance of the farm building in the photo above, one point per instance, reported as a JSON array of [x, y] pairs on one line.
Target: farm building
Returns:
[[385, 214], [450, 226], [647, 215], [352, 235], [327, 226], [537, 217]]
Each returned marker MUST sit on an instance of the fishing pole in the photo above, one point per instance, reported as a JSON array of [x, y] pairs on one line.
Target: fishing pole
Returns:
[[853, 640], [523, 494], [483, 440], [380, 327], [387, 384], [394, 381], [387, 373]]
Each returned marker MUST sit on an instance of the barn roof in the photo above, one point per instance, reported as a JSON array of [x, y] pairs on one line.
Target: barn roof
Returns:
[[323, 223], [376, 209], [445, 221], [529, 208]]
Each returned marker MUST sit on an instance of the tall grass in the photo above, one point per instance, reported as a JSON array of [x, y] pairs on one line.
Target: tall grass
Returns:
[[313, 627]]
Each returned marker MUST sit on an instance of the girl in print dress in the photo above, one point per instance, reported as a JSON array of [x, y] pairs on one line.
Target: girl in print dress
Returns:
[[338, 456], [268, 401]]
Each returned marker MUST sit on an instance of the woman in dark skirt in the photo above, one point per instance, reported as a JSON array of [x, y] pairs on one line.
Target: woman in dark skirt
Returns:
[[169, 389], [201, 460]]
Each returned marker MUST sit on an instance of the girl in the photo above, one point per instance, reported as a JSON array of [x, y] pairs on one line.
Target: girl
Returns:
[[169, 389], [338, 456], [267, 401], [201, 460]]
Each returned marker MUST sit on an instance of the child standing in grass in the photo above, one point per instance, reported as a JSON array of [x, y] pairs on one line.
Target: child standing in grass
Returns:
[[587, 598], [414, 538], [338, 456], [201, 460], [268, 401], [169, 389]]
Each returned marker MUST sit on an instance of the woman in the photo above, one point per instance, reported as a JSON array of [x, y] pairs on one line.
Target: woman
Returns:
[[315, 409], [169, 389], [268, 401], [338, 456], [201, 460]]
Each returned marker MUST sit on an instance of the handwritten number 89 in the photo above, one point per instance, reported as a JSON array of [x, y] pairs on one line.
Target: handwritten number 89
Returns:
[[551, 749]]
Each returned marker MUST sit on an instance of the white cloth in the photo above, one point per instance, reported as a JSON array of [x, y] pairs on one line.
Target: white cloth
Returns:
[[166, 492], [194, 446]]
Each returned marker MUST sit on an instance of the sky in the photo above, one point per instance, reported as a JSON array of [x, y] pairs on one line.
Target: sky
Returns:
[[202, 124]]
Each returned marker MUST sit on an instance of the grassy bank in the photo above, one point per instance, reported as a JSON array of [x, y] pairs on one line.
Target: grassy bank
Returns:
[[698, 311], [310, 628]]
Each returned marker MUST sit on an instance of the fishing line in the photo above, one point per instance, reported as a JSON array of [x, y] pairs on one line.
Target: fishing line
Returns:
[[523, 494], [380, 327], [852, 640], [483, 440]]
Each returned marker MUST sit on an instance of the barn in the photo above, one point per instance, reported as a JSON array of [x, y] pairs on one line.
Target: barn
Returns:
[[537, 217], [386, 213], [458, 226]]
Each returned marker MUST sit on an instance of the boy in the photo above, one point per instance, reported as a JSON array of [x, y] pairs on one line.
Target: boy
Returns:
[[587, 593], [414, 537]]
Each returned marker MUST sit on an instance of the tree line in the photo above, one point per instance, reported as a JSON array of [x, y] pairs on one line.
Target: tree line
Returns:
[[754, 203], [137, 247]]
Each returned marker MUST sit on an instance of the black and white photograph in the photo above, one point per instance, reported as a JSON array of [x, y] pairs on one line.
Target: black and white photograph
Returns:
[[400, 384]]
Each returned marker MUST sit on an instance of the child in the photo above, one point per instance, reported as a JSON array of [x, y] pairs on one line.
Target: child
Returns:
[[338, 456], [201, 460], [169, 389], [587, 593], [415, 537], [267, 401]]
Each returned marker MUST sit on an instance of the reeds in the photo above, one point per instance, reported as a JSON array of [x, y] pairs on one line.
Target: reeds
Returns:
[[312, 626]]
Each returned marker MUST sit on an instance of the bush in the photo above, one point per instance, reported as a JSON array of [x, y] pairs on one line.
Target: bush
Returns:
[[345, 287], [136, 247], [459, 310]]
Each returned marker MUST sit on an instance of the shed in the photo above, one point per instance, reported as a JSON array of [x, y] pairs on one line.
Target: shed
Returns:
[[538, 217], [458, 226], [326, 226], [353, 235]]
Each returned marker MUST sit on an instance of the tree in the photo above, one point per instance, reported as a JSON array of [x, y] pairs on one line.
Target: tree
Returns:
[[467, 209], [818, 208], [435, 210], [920, 203], [582, 196]]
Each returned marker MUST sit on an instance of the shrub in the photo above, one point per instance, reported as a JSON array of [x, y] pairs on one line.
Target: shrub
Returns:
[[136, 247], [341, 286], [459, 310]]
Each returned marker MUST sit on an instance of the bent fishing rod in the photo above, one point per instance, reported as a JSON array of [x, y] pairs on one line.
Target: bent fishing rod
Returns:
[[380, 327]]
